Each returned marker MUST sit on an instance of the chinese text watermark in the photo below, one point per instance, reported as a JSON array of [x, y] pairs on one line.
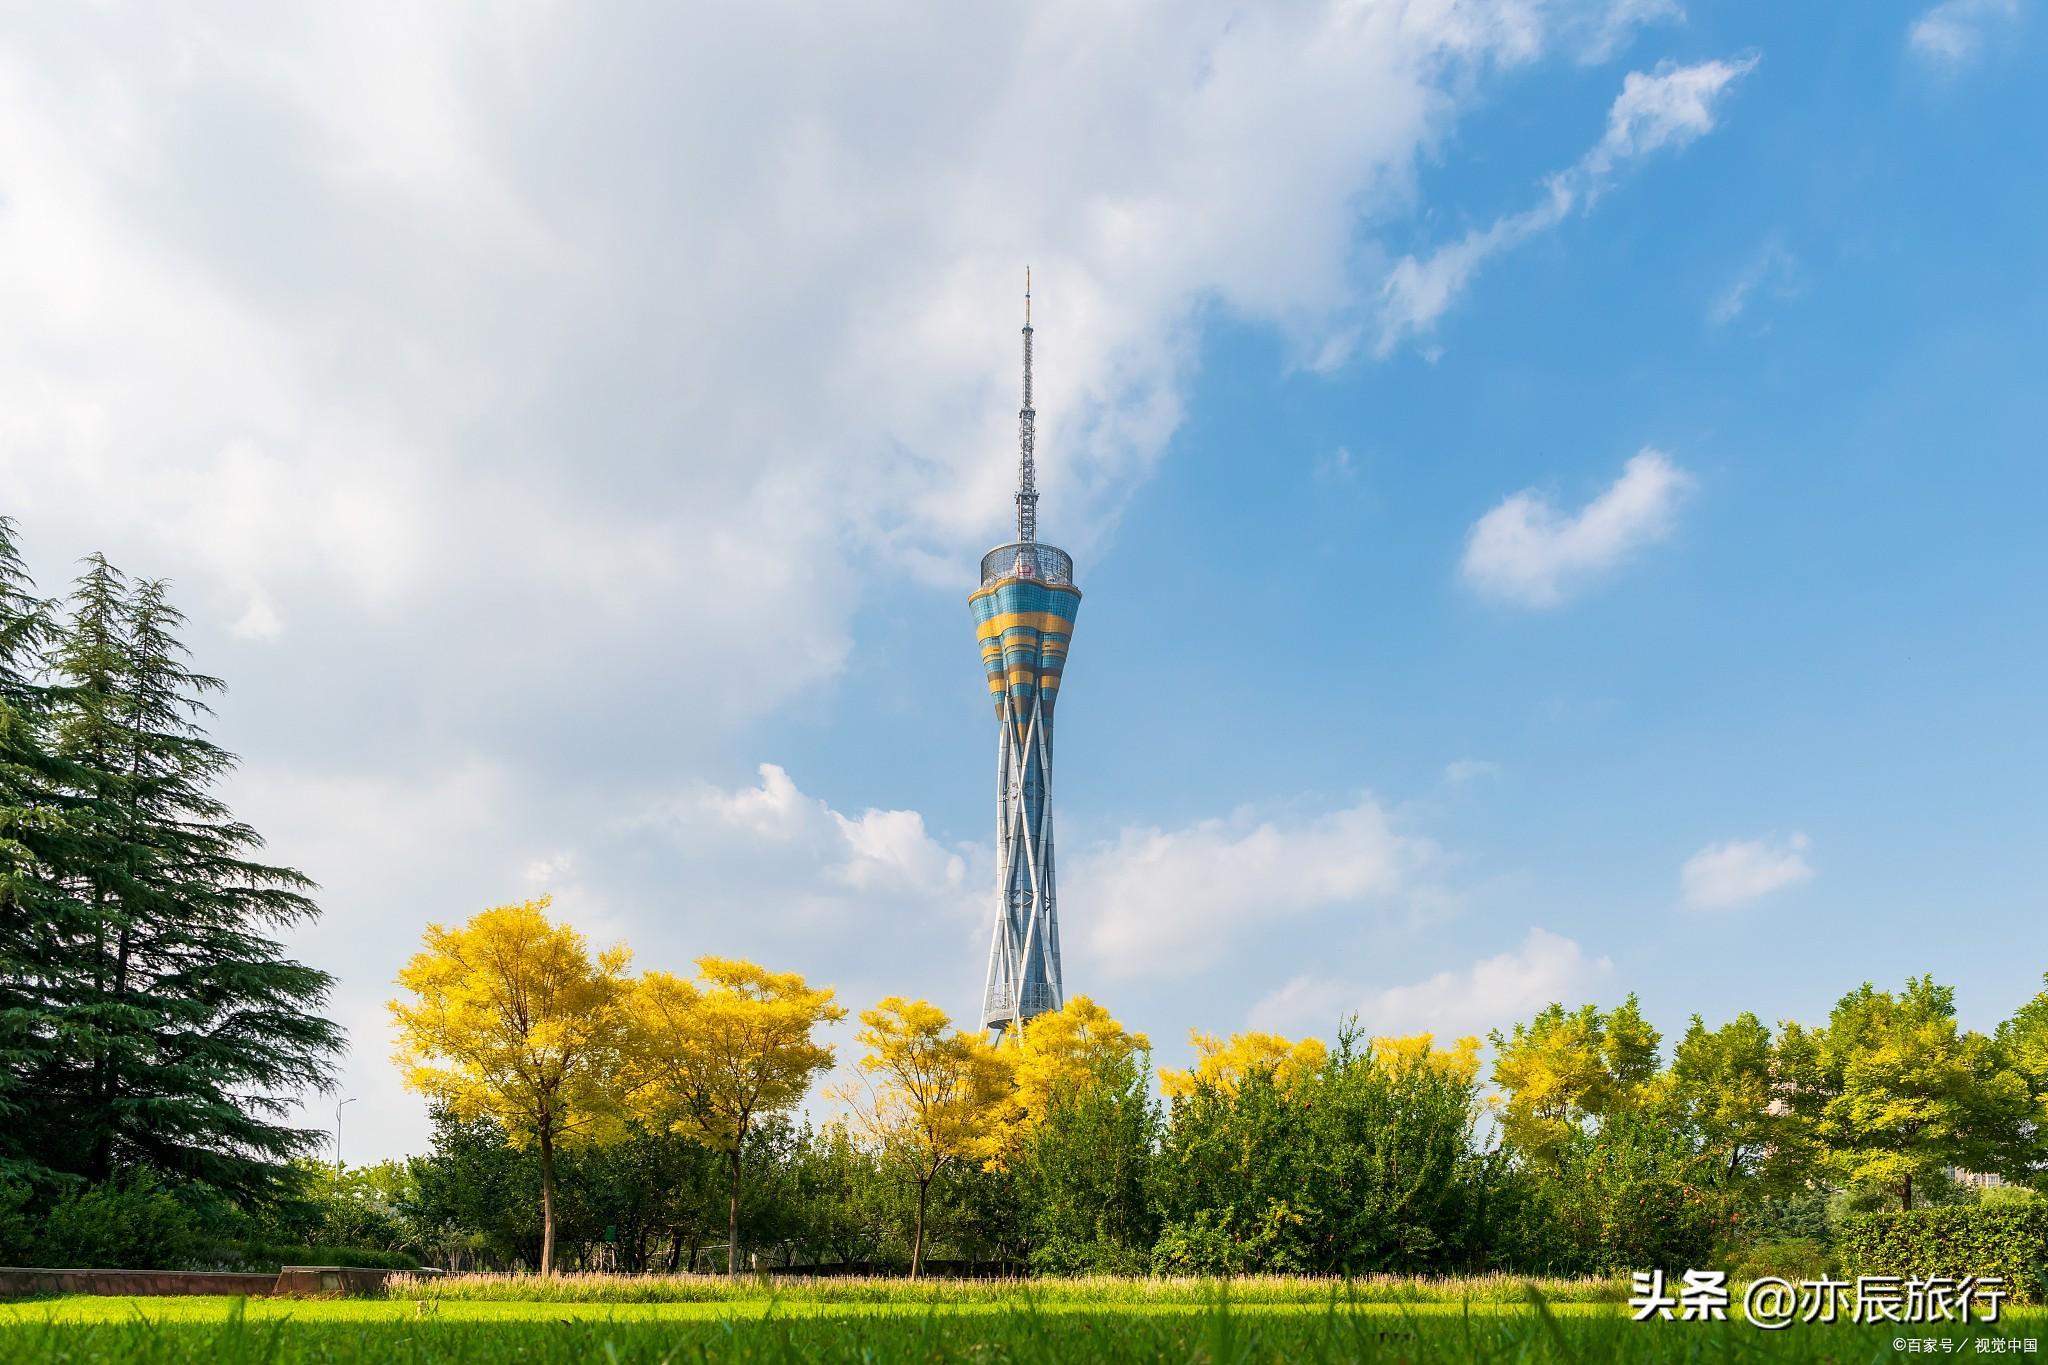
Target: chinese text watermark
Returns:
[[1771, 1303]]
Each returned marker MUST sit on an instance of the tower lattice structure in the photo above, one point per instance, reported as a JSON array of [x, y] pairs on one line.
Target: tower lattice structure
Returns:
[[1024, 618]]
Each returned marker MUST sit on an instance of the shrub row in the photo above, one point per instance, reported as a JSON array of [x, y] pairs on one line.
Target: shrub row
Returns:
[[141, 1224], [2009, 1241]]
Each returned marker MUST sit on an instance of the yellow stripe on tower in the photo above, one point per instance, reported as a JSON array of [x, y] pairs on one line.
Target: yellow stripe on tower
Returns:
[[1049, 621]]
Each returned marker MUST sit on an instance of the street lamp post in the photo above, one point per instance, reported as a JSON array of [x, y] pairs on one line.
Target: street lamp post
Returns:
[[337, 1139]]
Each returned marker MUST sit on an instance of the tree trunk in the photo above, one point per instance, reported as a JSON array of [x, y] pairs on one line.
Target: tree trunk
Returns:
[[547, 1199], [732, 1214], [675, 1248], [1906, 1194], [924, 1192]]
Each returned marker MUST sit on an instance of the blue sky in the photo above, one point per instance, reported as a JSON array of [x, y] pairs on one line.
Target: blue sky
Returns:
[[1556, 486]]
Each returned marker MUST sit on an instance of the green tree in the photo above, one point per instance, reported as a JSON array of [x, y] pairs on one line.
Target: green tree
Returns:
[[32, 909], [848, 1204], [2023, 1045], [475, 1197], [2023, 1041], [1623, 1165], [979, 1211], [657, 1192], [361, 1207], [1893, 1091], [184, 1031], [1235, 1192], [132, 1222], [1392, 1127], [1084, 1171], [1365, 1163], [1628, 1194], [1723, 1085]]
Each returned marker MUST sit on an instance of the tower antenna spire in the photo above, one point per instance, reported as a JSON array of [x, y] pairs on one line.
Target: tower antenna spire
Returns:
[[1027, 437]]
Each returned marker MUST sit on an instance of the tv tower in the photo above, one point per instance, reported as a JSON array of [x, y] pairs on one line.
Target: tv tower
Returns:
[[1024, 618]]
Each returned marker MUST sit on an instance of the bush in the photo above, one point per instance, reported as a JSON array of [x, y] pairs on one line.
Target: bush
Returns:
[[17, 1225], [2007, 1196], [1619, 1198], [1084, 1175], [1786, 1258], [135, 1223], [1364, 1165], [2006, 1240], [1801, 1215], [1059, 1256]]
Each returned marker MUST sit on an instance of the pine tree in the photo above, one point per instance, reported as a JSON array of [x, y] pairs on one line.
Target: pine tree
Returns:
[[28, 822], [184, 1030]]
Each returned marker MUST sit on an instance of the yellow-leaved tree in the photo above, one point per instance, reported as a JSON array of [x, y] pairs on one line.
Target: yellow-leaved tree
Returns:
[[1061, 1055], [1565, 1069], [934, 1096], [1460, 1061], [709, 1057], [512, 1019], [1220, 1065]]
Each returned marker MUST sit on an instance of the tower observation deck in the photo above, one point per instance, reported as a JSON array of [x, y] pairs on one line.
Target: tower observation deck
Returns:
[[1024, 618]]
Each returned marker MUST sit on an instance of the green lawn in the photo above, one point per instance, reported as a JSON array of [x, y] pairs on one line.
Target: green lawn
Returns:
[[1097, 1291], [994, 1329], [82, 1311]]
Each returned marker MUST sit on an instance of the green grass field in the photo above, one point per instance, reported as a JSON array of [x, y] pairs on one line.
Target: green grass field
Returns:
[[1101, 1291], [1180, 1322]]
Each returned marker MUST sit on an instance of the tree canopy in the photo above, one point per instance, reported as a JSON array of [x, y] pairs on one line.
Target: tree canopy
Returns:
[[1893, 1091], [513, 1020], [149, 1017], [709, 1058], [934, 1096]]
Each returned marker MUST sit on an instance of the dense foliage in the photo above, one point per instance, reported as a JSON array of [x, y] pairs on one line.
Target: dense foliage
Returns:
[[139, 1221], [1590, 1155], [2005, 1239], [153, 1033], [1365, 1163]]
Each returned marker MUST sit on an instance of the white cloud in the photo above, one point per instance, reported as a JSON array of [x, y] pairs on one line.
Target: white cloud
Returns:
[[1167, 902], [1527, 551], [1489, 993], [1461, 771], [568, 347], [544, 871], [1737, 871], [1773, 272], [1606, 33], [774, 810], [890, 848], [877, 850], [1954, 33], [548, 391], [259, 622], [1336, 467], [1669, 107]]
